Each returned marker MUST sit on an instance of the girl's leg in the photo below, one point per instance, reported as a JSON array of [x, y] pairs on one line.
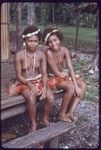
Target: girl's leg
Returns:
[[68, 88], [48, 107], [76, 99], [31, 107]]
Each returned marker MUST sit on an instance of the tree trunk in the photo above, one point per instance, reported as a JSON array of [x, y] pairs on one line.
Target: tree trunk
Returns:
[[42, 15], [77, 29], [31, 18], [53, 18], [18, 26]]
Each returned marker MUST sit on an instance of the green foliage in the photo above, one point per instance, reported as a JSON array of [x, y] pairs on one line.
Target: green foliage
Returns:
[[79, 65], [87, 36], [92, 90], [12, 12], [82, 119], [64, 13], [92, 93], [91, 78]]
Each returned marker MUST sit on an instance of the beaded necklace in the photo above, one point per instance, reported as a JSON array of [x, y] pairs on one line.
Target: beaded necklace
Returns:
[[33, 64]]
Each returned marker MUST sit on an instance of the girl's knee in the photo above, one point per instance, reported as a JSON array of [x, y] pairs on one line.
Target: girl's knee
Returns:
[[31, 100], [70, 88], [50, 97]]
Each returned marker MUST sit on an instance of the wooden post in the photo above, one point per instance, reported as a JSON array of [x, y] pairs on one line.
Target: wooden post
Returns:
[[53, 143], [4, 32]]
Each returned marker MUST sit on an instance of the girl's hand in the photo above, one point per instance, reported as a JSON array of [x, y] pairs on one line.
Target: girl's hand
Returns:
[[34, 91], [43, 96], [62, 75], [78, 91]]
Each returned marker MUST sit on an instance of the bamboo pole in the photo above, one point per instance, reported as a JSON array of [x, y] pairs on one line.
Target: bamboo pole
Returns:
[[4, 32]]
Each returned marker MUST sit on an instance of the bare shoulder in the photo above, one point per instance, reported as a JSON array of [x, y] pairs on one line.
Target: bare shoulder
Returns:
[[20, 54], [48, 53], [65, 50], [40, 53]]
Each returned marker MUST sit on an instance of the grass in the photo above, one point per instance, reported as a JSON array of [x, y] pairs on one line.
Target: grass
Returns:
[[90, 78], [92, 93], [82, 119], [86, 39], [79, 65], [87, 36]]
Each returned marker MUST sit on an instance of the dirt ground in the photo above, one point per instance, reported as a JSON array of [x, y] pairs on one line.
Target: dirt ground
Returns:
[[85, 135]]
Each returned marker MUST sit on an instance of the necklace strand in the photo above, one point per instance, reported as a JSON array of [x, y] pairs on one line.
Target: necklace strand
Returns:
[[27, 62]]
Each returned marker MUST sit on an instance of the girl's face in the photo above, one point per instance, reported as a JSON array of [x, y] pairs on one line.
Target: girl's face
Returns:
[[32, 42], [54, 42]]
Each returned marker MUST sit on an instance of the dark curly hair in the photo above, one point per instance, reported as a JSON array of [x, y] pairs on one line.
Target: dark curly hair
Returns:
[[50, 29], [31, 29]]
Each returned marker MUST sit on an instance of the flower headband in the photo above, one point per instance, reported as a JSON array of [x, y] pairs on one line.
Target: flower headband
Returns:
[[47, 36], [30, 34]]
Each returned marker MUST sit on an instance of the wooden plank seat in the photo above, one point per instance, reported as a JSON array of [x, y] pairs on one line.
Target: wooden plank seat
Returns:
[[15, 105], [45, 134]]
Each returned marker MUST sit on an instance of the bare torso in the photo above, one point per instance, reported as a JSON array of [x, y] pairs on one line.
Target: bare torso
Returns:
[[28, 67], [58, 58]]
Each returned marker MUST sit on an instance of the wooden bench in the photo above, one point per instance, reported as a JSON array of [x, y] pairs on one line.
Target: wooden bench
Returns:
[[39, 136], [11, 106]]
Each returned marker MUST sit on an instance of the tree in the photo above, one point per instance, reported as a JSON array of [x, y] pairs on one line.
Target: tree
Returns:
[[44, 14], [77, 29], [31, 17], [79, 9], [53, 17], [18, 25], [93, 8]]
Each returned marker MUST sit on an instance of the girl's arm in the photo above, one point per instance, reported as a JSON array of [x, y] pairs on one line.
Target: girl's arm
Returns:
[[44, 75], [44, 70], [71, 70]]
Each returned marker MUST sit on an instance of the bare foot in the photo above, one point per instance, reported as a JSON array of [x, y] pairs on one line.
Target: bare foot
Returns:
[[46, 122], [72, 117], [33, 127], [40, 146], [64, 118]]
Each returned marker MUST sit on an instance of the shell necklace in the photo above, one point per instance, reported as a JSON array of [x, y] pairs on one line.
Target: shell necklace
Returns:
[[33, 62]]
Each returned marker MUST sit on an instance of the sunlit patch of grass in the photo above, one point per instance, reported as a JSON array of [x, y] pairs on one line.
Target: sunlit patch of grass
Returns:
[[83, 119], [91, 93], [79, 65], [92, 90], [91, 79]]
